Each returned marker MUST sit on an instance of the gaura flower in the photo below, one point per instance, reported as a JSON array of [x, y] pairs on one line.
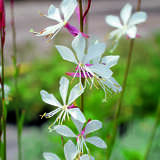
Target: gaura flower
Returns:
[[67, 7], [67, 108], [82, 136], [129, 22], [70, 152], [86, 67]]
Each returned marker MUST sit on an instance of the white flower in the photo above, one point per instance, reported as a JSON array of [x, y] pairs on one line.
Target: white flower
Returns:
[[82, 136], [86, 67], [64, 109], [129, 22], [67, 8], [107, 84], [70, 152]]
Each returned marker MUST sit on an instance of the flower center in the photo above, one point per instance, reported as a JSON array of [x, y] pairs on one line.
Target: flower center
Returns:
[[65, 107]]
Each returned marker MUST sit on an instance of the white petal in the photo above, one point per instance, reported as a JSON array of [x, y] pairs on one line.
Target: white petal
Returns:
[[76, 91], [54, 13], [51, 30], [110, 61], [77, 114], [64, 83], [92, 126], [50, 156], [49, 98], [79, 44], [138, 17], [64, 131], [68, 7], [101, 70], [70, 150], [113, 21], [131, 32], [95, 51], [66, 54], [86, 157], [52, 113], [116, 33], [113, 84], [78, 124], [98, 142], [126, 13]]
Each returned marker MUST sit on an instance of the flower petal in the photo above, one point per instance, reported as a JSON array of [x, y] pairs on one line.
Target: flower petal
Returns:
[[92, 126], [64, 131], [110, 61], [113, 21], [115, 34], [66, 54], [68, 7], [98, 142], [49, 99], [64, 83], [79, 44], [131, 32], [76, 91], [52, 113], [126, 13], [50, 156], [70, 150], [50, 30], [86, 157], [77, 114], [54, 13], [78, 124], [113, 84], [101, 70], [138, 17], [94, 51]]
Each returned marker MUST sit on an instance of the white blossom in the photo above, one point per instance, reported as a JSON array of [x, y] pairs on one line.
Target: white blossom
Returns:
[[129, 21], [82, 136], [66, 108]]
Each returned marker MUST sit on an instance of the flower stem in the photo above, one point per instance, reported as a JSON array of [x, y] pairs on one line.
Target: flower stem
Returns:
[[119, 105], [153, 133], [19, 127], [81, 30], [4, 109]]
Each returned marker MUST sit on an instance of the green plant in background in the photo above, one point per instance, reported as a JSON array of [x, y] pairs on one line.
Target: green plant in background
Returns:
[[19, 113]]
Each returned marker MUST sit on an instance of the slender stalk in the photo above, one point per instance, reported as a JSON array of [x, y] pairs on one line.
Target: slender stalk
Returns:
[[4, 109], [16, 80], [153, 133], [81, 30], [119, 105]]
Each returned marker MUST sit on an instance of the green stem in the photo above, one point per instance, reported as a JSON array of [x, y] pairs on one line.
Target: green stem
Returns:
[[119, 105], [16, 82], [4, 109], [81, 30], [153, 133]]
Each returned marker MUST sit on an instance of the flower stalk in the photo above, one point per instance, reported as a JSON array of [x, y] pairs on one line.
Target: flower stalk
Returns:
[[19, 118], [119, 105], [81, 30], [153, 133], [3, 109]]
